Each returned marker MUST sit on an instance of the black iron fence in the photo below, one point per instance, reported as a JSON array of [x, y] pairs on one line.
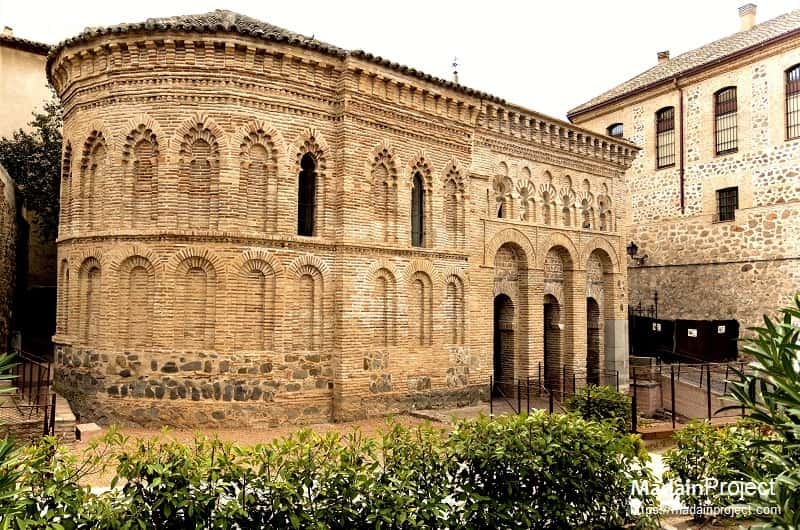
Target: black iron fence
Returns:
[[680, 392], [547, 389], [31, 399]]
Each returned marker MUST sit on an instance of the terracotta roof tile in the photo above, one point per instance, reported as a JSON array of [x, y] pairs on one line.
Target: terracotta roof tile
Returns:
[[697, 58], [228, 21], [24, 44]]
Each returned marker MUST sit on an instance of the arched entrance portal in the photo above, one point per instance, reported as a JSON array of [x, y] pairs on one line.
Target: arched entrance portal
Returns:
[[593, 348], [552, 343], [503, 340]]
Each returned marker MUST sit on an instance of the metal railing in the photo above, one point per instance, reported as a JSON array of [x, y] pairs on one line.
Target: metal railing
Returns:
[[31, 379], [546, 392], [31, 395], [711, 381]]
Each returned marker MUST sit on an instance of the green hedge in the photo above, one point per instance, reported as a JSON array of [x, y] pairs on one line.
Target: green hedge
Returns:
[[602, 403], [538, 471], [727, 454]]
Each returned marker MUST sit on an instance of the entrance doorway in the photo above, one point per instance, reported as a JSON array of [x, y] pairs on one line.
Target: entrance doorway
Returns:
[[503, 364], [552, 343], [592, 342]]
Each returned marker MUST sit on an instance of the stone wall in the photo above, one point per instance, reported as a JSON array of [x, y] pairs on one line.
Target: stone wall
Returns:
[[187, 294], [8, 245], [703, 269]]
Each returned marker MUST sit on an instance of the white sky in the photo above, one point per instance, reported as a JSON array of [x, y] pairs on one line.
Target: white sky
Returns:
[[549, 56]]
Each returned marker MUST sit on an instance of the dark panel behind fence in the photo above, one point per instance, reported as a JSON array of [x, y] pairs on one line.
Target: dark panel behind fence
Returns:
[[684, 340]]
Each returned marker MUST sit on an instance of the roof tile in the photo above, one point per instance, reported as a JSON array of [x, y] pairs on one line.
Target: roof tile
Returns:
[[705, 55]]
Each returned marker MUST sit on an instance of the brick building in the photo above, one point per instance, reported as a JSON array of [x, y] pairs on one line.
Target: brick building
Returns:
[[713, 196], [258, 227]]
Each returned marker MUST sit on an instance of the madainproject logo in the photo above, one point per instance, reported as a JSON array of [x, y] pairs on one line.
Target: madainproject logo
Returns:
[[740, 490]]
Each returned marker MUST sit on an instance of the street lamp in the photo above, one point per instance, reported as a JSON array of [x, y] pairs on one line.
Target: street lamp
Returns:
[[633, 252]]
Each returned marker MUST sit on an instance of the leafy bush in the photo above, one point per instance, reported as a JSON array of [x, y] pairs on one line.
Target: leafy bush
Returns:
[[535, 471], [770, 391], [602, 403], [546, 471], [704, 452]]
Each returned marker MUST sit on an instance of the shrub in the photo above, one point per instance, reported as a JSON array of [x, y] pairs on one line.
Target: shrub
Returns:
[[602, 403], [537, 471], [704, 452], [770, 391], [547, 471]]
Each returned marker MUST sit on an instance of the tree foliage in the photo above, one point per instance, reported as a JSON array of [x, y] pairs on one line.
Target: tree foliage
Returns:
[[770, 391], [33, 160]]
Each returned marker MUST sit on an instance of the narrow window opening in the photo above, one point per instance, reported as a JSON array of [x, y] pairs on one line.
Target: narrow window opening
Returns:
[[417, 212], [306, 196]]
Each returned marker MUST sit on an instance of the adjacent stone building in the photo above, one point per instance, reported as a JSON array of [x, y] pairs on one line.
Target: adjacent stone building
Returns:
[[258, 227], [23, 83], [8, 256], [713, 197]]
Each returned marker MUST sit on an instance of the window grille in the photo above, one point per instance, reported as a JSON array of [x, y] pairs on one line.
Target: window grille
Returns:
[[793, 102], [665, 137], [727, 203], [615, 130], [725, 130]]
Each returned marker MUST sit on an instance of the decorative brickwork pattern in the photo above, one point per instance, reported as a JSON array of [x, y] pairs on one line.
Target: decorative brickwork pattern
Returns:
[[254, 262]]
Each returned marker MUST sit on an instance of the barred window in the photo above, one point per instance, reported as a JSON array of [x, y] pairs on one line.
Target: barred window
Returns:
[[665, 137], [793, 102], [725, 133], [727, 204], [615, 130]]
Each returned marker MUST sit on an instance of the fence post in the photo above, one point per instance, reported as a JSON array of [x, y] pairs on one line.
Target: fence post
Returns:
[[708, 389], [634, 411], [616, 375], [550, 395], [53, 414], [46, 426], [539, 375], [672, 393], [563, 380], [519, 396], [741, 366], [491, 390], [573, 383], [528, 393]]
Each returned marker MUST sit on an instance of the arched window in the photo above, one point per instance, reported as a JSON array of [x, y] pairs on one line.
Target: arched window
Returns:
[[66, 184], [454, 310], [90, 311], [384, 310], [199, 196], [665, 137], [63, 298], [725, 131], [255, 287], [144, 171], [420, 310], [137, 318], [417, 211], [308, 334], [793, 102], [93, 171], [307, 188], [615, 130]]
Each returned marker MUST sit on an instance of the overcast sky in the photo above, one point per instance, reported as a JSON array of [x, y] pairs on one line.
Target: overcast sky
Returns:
[[549, 56]]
